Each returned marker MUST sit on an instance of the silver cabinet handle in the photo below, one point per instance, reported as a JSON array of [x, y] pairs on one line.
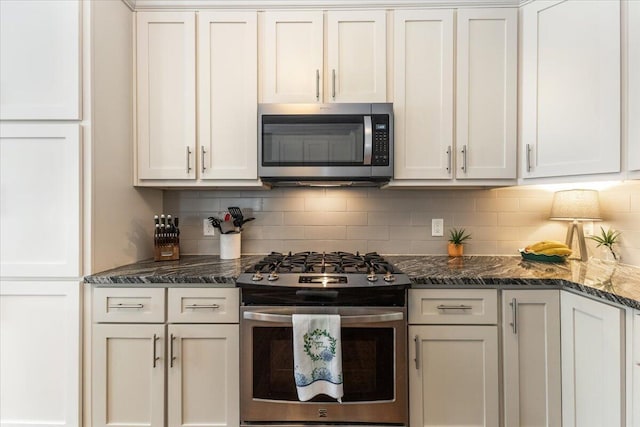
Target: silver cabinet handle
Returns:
[[449, 159], [188, 159], [464, 158], [454, 307], [155, 356], [345, 320], [528, 157], [171, 356], [333, 83], [317, 85], [368, 140], [196, 306], [514, 315], [416, 340], [123, 305], [202, 161]]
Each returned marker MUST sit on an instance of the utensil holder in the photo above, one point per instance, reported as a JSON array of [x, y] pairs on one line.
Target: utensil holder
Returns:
[[230, 245]]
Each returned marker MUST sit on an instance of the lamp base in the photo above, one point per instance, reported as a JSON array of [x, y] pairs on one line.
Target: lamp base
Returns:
[[582, 244]]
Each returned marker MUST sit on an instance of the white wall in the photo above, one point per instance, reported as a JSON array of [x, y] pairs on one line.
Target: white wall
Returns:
[[121, 229], [396, 222]]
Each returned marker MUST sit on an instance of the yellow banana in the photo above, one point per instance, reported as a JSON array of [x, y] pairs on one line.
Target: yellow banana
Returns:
[[556, 251], [544, 245]]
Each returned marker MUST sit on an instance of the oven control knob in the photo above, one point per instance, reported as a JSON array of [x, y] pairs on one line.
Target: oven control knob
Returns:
[[256, 276], [389, 277], [371, 277], [273, 276]]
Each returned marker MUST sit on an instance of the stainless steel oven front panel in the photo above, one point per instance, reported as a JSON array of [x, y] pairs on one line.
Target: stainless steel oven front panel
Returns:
[[373, 340]]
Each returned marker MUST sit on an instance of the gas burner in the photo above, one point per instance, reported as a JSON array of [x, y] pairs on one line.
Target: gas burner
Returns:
[[319, 269]]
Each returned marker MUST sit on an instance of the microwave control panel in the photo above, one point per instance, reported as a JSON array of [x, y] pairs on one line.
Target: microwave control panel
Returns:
[[380, 150]]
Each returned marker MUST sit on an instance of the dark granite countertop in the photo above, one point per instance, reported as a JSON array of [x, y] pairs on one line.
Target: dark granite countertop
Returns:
[[617, 283]]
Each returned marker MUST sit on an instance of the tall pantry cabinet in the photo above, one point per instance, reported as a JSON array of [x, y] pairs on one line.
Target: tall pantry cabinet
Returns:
[[65, 100]]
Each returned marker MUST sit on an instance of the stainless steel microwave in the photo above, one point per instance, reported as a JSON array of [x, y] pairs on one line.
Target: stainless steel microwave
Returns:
[[303, 144]]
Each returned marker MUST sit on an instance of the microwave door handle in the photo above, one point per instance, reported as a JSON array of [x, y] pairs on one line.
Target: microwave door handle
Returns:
[[368, 140], [345, 320]]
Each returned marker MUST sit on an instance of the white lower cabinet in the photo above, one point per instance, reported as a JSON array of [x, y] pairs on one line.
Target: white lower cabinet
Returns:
[[592, 368], [635, 393], [531, 357], [39, 353], [196, 363], [453, 380]]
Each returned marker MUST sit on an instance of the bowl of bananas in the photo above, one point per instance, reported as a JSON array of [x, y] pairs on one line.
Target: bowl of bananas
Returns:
[[546, 251]]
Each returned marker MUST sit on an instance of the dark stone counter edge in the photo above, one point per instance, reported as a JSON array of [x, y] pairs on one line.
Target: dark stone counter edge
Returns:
[[417, 282]]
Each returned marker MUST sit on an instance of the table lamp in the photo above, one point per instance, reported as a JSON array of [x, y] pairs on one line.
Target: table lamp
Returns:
[[576, 206]]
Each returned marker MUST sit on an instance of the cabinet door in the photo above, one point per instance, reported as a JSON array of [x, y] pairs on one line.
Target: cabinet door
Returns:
[[40, 354], [356, 56], [40, 200], [635, 393], [531, 358], [227, 95], [40, 60], [128, 374], [166, 95], [633, 83], [486, 93], [292, 57], [592, 372], [570, 88], [423, 91], [203, 375], [454, 380]]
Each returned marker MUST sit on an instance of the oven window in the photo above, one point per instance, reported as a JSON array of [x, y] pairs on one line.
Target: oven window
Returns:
[[367, 364], [326, 140]]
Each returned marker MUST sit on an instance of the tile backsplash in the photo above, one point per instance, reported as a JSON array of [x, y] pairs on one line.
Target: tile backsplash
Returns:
[[396, 221]]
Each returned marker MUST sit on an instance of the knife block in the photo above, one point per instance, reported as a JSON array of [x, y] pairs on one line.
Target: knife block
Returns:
[[166, 251]]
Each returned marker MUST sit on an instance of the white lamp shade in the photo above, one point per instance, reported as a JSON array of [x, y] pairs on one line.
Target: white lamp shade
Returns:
[[570, 205]]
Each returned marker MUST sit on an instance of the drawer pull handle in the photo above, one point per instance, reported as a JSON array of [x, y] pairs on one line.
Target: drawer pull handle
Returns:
[[196, 306], [155, 356], [416, 340], [122, 305], [454, 307], [514, 315]]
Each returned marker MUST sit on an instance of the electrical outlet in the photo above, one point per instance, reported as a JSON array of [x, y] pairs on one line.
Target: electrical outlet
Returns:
[[207, 228], [437, 227]]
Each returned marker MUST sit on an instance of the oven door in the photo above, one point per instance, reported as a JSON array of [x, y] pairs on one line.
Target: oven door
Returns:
[[373, 364]]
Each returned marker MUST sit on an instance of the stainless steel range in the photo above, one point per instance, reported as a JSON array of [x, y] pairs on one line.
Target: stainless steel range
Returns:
[[368, 293]]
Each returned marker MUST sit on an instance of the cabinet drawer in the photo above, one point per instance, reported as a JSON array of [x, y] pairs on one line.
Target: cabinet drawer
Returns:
[[453, 306], [128, 305], [203, 305]]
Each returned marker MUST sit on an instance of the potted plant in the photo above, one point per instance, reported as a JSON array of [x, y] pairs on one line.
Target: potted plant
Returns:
[[608, 239], [457, 237]]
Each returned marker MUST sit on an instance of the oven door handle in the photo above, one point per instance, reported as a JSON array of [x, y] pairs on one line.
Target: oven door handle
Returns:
[[344, 320]]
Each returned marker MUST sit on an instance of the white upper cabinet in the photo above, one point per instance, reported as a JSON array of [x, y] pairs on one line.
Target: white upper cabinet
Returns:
[[40, 74], [166, 95], [293, 67], [227, 95], [423, 90], [40, 221], [633, 85], [356, 56], [570, 88], [485, 94]]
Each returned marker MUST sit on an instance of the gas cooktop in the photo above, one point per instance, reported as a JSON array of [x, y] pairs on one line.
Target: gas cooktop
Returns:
[[323, 270]]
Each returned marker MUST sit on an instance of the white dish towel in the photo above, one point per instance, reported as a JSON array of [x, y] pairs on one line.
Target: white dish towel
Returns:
[[317, 355]]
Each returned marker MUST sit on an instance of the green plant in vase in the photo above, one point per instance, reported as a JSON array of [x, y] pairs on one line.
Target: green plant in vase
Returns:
[[457, 237], [607, 238]]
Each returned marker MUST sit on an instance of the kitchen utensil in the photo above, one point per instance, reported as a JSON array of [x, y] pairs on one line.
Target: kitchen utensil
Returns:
[[215, 222], [236, 213], [244, 221], [227, 227]]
